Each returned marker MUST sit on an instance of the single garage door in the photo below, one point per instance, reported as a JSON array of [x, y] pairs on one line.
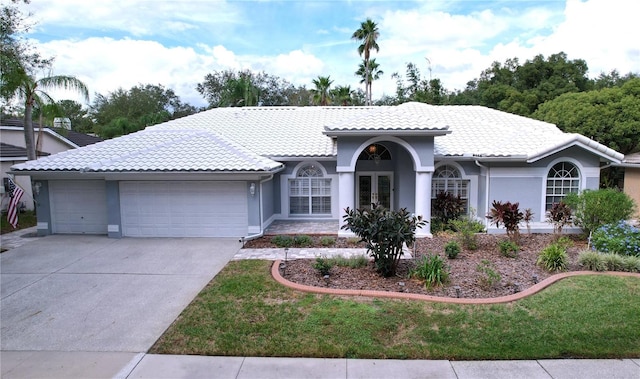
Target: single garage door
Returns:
[[78, 206], [183, 209]]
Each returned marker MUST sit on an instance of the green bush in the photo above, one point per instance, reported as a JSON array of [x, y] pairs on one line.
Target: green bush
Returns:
[[385, 232], [490, 276], [592, 260], [554, 258], [356, 261], [620, 238], [467, 227], [452, 249], [303, 240], [327, 241], [432, 270], [282, 241], [508, 248], [594, 208], [323, 265]]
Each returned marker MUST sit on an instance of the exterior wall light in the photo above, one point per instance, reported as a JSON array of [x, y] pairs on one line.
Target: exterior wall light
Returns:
[[252, 189]]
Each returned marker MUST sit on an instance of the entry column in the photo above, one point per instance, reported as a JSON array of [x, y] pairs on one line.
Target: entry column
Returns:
[[346, 198], [423, 202]]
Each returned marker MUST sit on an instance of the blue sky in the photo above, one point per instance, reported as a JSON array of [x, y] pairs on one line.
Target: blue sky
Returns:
[[121, 43]]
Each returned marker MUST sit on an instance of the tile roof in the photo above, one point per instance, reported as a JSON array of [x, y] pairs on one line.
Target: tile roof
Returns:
[[12, 151], [247, 139], [157, 150]]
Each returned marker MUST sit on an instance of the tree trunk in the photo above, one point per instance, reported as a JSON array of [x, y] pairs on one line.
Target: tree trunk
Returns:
[[28, 132]]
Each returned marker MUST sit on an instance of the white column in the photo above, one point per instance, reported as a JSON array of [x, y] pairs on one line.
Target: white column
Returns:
[[423, 202], [346, 198]]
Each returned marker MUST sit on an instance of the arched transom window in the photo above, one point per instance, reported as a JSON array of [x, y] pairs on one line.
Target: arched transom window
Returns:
[[447, 178], [375, 152], [310, 192], [563, 178]]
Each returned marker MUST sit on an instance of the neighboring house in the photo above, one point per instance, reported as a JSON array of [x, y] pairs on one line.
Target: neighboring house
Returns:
[[232, 171], [12, 151], [631, 164]]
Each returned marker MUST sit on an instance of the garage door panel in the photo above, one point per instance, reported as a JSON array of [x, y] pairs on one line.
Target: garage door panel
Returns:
[[183, 209], [78, 206]]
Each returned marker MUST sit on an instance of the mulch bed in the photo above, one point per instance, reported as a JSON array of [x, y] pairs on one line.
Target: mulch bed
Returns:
[[516, 273]]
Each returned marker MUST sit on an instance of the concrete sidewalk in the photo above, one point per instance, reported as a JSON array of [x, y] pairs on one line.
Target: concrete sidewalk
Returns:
[[130, 365]]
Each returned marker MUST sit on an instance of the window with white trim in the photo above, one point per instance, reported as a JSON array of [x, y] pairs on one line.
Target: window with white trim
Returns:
[[310, 192], [447, 178], [563, 178]]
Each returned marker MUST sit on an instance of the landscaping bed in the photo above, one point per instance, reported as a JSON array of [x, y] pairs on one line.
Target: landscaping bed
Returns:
[[465, 281]]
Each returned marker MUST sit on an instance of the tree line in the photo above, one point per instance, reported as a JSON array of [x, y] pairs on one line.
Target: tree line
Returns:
[[553, 89]]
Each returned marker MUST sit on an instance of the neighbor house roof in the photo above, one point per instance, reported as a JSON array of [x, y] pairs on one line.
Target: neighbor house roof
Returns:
[[10, 152], [76, 139], [252, 138], [630, 160]]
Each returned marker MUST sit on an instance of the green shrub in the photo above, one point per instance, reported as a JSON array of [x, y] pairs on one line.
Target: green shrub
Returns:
[[467, 227], [508, 248], [323, 265], [632, 263], [356, 261], [594, 208], [614, 262], [490, 276], [554, 258], [282, 241], [327, 241], [353, 241], [592, 260], [452, 249], [385, 233], [432, 270], [620, 238], [303, 240]]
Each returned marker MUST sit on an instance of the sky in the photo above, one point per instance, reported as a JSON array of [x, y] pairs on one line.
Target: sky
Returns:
[[111, 44]]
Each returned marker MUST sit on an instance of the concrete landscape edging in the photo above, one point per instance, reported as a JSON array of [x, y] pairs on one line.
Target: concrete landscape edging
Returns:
[[275, 272]]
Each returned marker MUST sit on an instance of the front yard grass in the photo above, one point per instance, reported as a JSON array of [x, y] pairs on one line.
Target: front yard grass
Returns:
[[244, 312]]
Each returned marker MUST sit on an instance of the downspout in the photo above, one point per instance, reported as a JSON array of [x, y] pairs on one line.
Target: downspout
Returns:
[[488, 181]]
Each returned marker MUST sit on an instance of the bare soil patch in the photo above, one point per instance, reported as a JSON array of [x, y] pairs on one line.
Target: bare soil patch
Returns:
[[465, 281]]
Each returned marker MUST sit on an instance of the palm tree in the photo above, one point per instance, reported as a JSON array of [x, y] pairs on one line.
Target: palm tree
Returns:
[[32, 92], [342, 95], [321, 92], [374, 73], [367, 35]]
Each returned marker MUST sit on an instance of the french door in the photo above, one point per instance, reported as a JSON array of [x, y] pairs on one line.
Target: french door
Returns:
[[375, 188]]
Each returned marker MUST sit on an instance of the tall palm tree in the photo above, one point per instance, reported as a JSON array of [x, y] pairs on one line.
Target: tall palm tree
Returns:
[[368, 75], [32, 92], [367, 35], [342, 95], [321, 92]]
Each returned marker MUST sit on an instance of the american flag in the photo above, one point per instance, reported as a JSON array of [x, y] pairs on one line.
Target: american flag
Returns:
[[12, 212]]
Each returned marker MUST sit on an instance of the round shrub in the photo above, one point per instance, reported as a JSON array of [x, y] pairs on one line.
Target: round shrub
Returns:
[[553, 258], [452, 249], [592, 260]]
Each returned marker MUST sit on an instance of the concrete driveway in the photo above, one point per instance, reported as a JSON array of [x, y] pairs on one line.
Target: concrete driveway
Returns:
[[94, 294]]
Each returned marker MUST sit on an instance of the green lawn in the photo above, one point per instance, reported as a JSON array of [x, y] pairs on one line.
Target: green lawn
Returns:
[[26, 219], [244, 312]]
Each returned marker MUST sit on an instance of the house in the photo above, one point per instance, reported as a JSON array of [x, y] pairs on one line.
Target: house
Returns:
[[631, 165], [233, 171], [12, 151]]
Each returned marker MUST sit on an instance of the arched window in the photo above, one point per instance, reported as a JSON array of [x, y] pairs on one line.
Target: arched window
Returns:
[[375, 152], [563, 178], [447, 178], [310, 192]]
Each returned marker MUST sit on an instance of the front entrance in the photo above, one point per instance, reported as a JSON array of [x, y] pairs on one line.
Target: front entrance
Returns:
[[375, 188]]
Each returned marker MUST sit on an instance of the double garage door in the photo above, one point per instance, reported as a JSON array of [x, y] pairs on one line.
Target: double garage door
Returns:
[[152, 209], [183, 209]]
